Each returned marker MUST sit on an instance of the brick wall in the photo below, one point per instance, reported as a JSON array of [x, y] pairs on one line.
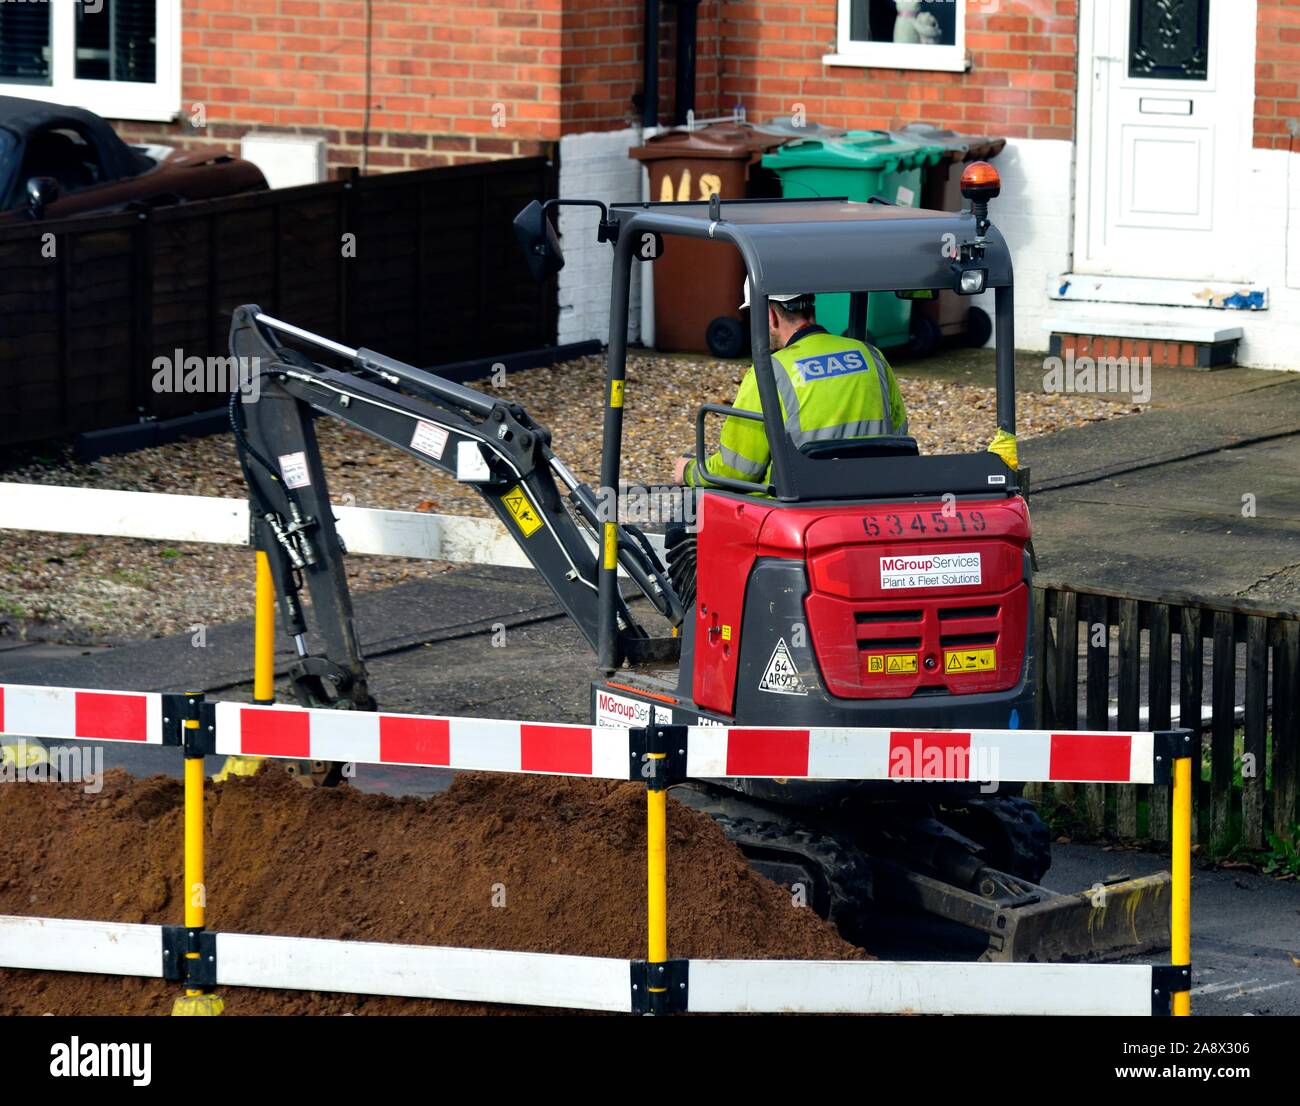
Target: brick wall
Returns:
[[603, 62], [1021, 82], [439, 68], [767, 55], [1277, 74]]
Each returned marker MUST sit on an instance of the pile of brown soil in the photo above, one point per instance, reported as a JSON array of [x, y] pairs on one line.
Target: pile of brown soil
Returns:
[[569, 856]]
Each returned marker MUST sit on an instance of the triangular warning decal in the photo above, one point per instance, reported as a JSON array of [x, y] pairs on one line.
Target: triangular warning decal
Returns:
[[521, 511], [781, 676]]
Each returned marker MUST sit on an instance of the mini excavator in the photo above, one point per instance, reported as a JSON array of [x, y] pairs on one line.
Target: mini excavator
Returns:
[[858, 584]]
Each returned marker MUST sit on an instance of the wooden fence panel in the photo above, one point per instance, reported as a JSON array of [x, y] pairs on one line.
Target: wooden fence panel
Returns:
[[433, 275], [1159, 703], [32, 307], [1044, 676], [1190, 683], [1286, 730], [1222, 731], [1127, 709], [1254, 715], [1067, 676], [1254, 741], [97, 329], [1098, 699], [307, 286]]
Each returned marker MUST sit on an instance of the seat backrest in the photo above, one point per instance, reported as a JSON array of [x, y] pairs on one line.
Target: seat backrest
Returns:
[[885, 445]]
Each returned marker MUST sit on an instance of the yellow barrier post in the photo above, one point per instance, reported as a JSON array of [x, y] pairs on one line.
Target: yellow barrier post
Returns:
[[657, 881], [194, 1002], [264, 633], [1180, 922], [263, 662]]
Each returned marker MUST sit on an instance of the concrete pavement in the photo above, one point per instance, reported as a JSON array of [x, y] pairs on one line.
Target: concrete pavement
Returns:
[[1162, 500], [1203, 497]]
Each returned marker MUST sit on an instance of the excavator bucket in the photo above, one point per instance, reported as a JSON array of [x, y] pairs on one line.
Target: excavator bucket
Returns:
[[1025, 922], [1117, 919]]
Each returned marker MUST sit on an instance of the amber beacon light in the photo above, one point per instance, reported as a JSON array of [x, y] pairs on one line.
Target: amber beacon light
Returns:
[[979, 184]]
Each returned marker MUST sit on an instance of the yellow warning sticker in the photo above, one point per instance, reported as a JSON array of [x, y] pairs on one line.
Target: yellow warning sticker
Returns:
[[616, 393], [891, 664], [611, 546], [969, 660], [522, 511], [726, 633]]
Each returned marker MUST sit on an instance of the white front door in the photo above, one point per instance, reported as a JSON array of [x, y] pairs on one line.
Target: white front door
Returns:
[[1165, 108]]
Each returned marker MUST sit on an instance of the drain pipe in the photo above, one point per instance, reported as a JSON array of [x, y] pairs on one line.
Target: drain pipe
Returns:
[[650, 77], [687, 21]]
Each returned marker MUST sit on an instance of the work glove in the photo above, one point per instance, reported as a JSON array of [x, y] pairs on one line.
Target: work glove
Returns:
[[1004, 445]]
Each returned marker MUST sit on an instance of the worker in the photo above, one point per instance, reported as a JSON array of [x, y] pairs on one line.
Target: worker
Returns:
[[831, 389]]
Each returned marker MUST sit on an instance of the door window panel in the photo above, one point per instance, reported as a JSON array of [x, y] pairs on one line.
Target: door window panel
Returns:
[[1168, 40]]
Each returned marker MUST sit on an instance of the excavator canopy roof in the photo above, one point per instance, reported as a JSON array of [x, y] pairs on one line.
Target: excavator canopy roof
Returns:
[[830, 245]]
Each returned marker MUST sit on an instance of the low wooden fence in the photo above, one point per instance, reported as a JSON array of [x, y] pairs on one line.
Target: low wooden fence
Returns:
[[1126, 661], [422, 265]]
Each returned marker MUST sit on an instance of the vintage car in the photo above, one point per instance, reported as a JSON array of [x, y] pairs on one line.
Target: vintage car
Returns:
[[57, 161]]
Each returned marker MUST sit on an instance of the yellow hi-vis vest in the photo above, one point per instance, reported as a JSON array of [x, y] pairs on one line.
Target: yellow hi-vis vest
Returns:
[[831, 389]]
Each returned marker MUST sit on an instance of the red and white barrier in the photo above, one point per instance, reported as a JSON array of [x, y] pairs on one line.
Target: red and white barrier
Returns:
[[469, 744], [608, 753], [28, 710], [919, 987], [74, 945], [830, 753], [593, 982], [604, 752]]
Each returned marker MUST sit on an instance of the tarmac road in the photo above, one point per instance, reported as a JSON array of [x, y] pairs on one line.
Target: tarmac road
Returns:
[[1245, 929]]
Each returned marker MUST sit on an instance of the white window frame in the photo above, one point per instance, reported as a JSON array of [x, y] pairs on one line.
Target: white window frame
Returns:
[[888, 55], [157, 102]]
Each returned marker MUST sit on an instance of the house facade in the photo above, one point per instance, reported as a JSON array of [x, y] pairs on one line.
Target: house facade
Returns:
[[1148, 180]]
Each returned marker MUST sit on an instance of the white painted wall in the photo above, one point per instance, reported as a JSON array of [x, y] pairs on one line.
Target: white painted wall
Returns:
[[594, 166], [1033, 214], [1271, 198]]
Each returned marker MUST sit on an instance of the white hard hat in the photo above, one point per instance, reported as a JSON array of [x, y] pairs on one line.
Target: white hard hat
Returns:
[[783, 297]]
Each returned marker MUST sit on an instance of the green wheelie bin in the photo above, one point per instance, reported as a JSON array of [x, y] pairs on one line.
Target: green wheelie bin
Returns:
[[860, 165]]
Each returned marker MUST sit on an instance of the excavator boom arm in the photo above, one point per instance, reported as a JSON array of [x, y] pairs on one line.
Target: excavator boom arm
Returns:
[[479, 440]]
